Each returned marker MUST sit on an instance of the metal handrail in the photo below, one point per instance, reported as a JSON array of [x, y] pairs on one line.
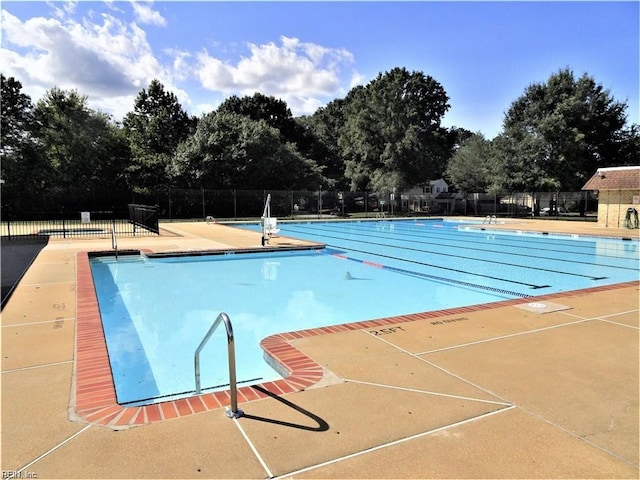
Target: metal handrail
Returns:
[[233, 412], [114, 241]]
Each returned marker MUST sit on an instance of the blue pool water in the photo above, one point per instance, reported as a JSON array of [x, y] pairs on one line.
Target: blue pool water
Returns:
[[156, 311]]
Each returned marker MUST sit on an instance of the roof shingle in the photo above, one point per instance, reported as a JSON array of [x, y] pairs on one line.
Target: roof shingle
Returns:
[[615, 178]]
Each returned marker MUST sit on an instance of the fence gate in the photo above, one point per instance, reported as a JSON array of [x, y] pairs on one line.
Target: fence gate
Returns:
[[145, 216]]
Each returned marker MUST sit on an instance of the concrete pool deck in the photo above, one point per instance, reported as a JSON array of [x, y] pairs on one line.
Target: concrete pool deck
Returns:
[[500, 391]]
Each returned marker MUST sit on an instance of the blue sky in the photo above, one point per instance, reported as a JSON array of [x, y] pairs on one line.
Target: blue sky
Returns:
[[484, 54]]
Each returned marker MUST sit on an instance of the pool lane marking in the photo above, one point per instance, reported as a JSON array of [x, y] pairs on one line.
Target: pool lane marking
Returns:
[[370, 264], [435, 277], [499, 234], [253, 448], [493, 262], [457, 240], [535, 236], [428, 392], [496, 262], [396, 442]]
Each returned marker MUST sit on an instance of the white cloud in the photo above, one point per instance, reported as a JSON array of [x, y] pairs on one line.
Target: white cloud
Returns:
[[302, 74], [204, 108], [110, 62], [182, 66], [112, 5], [145, 14], [107, 56], [356, 79], [62, 9]]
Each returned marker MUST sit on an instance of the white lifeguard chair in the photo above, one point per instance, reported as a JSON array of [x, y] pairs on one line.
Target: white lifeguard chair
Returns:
[[269, 223]]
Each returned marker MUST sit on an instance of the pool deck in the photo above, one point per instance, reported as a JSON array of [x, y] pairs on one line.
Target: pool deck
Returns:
[[534, 388]]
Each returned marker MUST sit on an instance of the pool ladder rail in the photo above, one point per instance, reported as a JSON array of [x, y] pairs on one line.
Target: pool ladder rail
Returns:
[[233, 411], [114, 240], [490, 218]]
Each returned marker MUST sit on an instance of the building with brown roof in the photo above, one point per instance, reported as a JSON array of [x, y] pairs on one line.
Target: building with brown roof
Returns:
[[618, 195]]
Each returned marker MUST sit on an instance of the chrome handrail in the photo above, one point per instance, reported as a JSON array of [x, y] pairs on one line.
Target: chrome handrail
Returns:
[[233, 412], [114, 241]]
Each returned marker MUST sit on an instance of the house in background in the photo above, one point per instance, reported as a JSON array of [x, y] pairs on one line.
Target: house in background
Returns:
[[421, 198], [438, 186], [618, 194]]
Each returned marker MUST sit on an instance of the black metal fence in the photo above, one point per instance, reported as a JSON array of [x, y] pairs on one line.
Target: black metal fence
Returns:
[[86, 224], [145, 216], [241, 204], [108, 210]]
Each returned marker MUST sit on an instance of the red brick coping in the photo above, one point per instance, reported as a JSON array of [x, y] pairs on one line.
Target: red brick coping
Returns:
[[95, 397]]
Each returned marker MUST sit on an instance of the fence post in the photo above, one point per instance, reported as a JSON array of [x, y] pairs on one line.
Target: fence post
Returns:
[[204, 213], [366, 201], [235, 205]]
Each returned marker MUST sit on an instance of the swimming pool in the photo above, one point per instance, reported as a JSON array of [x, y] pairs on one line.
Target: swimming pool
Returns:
[[155, 311], [518, 264]]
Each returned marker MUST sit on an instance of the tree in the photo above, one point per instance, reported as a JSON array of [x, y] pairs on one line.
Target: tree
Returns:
[[83, 148], [229, 150], [155, 129], [629, 141], [469, 169], [273, 111], [562, 131], [17, 114], [322, 130], [392, 136], [23, 167]]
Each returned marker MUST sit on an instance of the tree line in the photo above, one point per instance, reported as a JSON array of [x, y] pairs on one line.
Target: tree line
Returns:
[[383, 136]]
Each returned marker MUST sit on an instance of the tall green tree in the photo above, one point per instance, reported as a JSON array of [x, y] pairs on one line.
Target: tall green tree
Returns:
[[469, 169], [17, 114], [83, 149], [323, 132], [392, 136], [229, 150], [273, 111], [561, 131], [629, 141], [155, 128], [22, 166]]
